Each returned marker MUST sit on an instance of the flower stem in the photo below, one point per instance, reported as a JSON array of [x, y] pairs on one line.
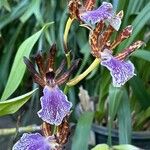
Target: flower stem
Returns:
[[9, 131], [67, 52], [67, 28], [85, 73]]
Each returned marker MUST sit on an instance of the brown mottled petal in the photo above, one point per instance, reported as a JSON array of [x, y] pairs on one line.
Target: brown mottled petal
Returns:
[[126, 33], [93, 39], [104, 37], [39, 62], [34, 73], [89, 4], [127, 51], [46, 129], [73, 7], [63, 131], [63, 78], [51, 58]]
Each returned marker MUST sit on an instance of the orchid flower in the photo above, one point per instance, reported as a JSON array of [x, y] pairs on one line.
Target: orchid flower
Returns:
[[120, 69], [54, 103], [47, 141], [86, 13], [35, 141], [101, 43]]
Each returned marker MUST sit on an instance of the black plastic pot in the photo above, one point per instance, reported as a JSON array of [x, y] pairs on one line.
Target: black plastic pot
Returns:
[[139, 139]]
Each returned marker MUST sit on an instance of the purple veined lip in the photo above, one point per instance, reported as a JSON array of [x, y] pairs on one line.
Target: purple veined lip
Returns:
[[104, 12], [34, 141], [55, 105], [94, 16], [121, 71]]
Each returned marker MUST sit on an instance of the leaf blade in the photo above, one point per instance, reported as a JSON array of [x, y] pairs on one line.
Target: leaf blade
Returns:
[[17, 71], [143, 54], [80, 138], [13, 105], [124, 119], [115, 96]]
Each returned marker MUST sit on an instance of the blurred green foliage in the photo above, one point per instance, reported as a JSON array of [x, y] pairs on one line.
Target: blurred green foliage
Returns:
[[19, 19]]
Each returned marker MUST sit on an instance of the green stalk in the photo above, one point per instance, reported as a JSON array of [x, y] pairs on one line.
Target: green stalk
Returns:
[[67, 52], [85, 73]]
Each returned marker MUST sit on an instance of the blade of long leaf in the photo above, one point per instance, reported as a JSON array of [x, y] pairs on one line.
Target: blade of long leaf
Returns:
[[143, 54], [13, 105], [142, 117], [115, 96], [137, 24], [33, 8], [81, 136], [6, 57], [5, 4], [18, 67], [140, 92], [122, 5], [131, 8], [15, 13], [124, 119]]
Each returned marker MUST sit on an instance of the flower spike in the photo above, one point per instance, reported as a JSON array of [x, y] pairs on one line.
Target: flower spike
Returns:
[[55, 105]]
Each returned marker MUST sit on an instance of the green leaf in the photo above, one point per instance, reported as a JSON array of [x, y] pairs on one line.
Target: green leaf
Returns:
[[143, 54], [18, 67], [115, 96], [124, 119], [140, 92], [142, 117], [14, 14], [125, 147], [101, 147], [5, 4], [122, 5], [104, 87], [6, 57], [132, 7], [13, 105], [137, 24], [81, 136], [33, 8]]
